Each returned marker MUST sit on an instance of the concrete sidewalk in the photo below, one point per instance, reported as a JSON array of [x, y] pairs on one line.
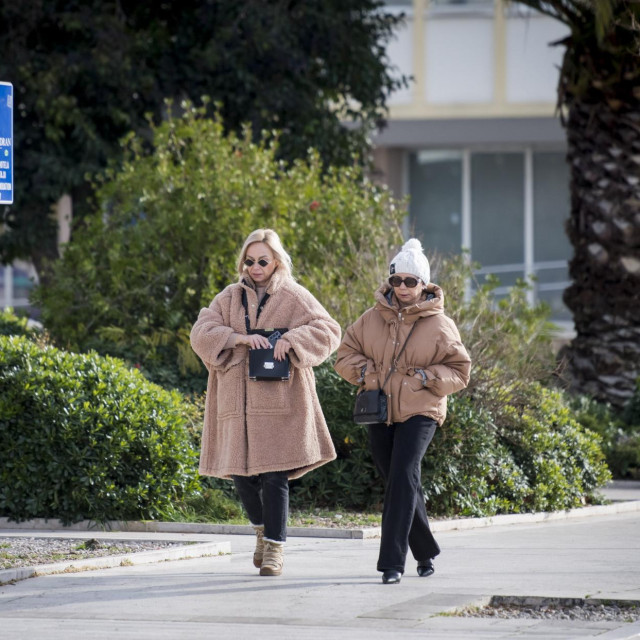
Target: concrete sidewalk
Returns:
[[330, 589]]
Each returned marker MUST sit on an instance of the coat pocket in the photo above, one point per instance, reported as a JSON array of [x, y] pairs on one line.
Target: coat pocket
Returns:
[[413, 397], [230, 392], [272, 397]]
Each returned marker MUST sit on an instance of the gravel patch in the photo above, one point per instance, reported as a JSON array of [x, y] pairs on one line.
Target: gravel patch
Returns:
[[572, 609], [31, 552]]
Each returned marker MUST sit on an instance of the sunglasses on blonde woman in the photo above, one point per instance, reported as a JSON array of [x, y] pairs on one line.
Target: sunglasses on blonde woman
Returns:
[[396, 281], [262, 262]]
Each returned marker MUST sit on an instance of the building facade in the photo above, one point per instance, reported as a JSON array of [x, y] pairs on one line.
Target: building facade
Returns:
[[476, 141]]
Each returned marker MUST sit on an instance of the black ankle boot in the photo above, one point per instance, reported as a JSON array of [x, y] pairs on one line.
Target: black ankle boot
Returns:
[[391, 576], [425, 568]]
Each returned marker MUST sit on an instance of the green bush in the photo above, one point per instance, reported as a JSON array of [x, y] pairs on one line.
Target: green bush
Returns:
[[620, 433], [167, 228], [631, 413], [562, 462], [82, 436], [467, 471], [13, 325]]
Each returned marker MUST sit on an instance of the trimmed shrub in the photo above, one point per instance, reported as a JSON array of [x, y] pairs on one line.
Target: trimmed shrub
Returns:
[[563, 463], [467, 471], [620, 434], [84, 437]]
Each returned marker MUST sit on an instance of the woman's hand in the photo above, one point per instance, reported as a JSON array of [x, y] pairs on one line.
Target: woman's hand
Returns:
[[281, 349], [253, 341]]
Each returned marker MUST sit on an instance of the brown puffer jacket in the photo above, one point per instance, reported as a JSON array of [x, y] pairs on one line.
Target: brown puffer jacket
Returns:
[[434, 346], [252, 427]]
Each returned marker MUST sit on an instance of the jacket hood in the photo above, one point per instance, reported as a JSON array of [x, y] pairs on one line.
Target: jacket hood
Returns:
[[431, 303]]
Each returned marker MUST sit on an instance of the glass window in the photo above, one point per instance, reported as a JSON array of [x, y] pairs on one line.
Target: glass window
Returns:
[[497, 215], [550, 206], [551, 246], [497, 208], [435, 208]]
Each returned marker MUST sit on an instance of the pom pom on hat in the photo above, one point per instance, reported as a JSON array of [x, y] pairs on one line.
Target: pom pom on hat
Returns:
[[411, 259]]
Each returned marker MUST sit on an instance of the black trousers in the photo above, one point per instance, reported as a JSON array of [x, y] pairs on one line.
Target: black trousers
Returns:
[[265, 498], [397, 451]]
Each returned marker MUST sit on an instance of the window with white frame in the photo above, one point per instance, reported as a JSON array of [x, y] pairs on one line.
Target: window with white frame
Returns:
[[508, 208]]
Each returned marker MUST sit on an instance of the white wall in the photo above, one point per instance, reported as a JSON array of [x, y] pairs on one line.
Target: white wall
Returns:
[[400, 54], [459, 60], [477, 59], [532, 65]]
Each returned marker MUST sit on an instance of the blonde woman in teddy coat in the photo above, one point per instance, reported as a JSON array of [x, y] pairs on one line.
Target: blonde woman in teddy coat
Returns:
[[258, 433], [434, 363]]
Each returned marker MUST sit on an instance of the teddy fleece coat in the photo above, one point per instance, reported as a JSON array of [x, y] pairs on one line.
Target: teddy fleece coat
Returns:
[[375, 339], [253, 427]]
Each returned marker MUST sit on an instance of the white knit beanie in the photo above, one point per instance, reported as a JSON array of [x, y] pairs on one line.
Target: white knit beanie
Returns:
[[411, 260]]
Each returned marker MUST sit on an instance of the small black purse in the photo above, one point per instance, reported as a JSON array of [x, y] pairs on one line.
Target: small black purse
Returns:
[[262, 365], [371, 406]]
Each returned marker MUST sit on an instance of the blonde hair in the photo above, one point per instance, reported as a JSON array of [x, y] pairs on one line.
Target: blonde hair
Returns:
[[272, 240]]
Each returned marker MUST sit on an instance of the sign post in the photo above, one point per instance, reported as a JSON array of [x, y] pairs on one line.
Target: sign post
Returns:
[[6, 143]]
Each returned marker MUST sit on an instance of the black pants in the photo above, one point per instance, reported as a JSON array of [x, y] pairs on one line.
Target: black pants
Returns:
[[265, 498], [397, 451]]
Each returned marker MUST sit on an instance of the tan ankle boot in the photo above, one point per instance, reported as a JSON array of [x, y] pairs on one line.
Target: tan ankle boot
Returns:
[[273, 558], [258, 553]]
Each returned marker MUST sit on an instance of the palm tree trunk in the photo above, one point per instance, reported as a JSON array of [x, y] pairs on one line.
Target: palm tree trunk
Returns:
[[604, 228]]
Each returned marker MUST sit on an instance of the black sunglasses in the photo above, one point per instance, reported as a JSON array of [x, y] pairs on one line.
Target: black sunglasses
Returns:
[[262, 262], [396, 281]]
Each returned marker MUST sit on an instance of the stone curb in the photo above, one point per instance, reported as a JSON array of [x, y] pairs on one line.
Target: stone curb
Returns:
[[39, 524], [182, 552], [530, 518]]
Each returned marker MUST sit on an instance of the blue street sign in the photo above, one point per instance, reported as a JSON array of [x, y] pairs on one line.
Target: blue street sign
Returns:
[[6, 143]]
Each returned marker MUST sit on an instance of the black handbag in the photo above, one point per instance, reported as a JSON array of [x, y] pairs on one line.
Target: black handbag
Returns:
[[262, 364], [371, 406]]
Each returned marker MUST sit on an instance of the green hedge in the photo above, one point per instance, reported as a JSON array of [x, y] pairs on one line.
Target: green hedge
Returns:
[[84, 437], [620, 432]]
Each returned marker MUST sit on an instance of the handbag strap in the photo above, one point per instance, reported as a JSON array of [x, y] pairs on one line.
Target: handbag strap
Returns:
[[395, 359], [246, 308]]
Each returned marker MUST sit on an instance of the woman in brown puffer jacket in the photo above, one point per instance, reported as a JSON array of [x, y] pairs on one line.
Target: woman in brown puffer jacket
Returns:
[[432, 365]]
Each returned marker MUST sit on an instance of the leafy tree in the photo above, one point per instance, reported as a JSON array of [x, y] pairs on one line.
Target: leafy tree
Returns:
[[599, 97], [169, 223], [87, 73]]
